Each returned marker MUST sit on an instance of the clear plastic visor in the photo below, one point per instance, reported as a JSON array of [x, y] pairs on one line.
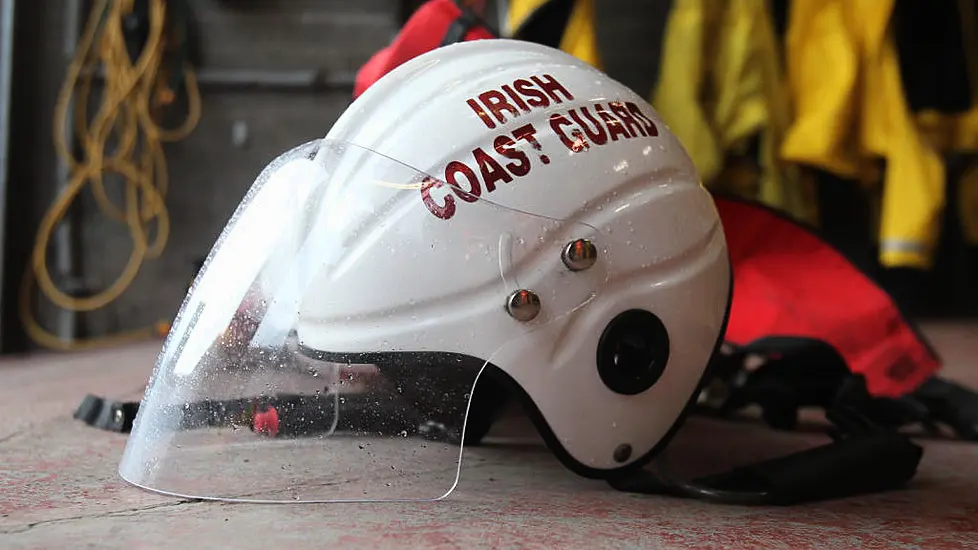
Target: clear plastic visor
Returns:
[[330, 345]]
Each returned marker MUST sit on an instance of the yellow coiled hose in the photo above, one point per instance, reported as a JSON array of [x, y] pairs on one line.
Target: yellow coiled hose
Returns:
[[133, 93]]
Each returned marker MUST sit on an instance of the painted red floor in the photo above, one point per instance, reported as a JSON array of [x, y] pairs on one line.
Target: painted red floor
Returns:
[[59, 488]]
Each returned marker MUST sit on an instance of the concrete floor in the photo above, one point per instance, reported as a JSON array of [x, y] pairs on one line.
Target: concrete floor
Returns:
[[59, 487]]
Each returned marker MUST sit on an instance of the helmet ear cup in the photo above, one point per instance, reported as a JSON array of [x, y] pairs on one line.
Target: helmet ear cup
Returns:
[[632, 352]]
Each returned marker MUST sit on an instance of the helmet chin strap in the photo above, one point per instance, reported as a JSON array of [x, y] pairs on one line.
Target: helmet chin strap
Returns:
[[865, 460], [867, 454]]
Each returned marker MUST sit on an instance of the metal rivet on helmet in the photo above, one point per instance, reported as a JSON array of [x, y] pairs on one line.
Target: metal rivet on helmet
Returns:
[[523, 305], [579, 255]]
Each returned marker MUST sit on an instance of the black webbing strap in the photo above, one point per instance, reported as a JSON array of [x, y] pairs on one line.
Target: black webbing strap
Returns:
[[854, 465], [864, 457], [868, 453], [803, 372], [950, 404]]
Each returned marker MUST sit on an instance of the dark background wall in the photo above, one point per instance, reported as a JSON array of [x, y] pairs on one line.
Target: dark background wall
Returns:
[[211, 170]]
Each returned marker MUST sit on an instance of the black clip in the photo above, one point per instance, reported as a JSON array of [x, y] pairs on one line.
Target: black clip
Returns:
[[113, 416]]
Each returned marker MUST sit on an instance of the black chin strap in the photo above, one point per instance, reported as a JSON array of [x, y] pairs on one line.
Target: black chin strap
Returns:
[[795, 373], [782, 375], [863, 458]]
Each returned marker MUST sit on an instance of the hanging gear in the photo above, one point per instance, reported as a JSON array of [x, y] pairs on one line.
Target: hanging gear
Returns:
[[721, 89], [877, 106], [142, 46]]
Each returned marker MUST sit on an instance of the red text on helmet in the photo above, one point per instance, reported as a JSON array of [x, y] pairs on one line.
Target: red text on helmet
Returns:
[[467, 182], [579, 128], [520, 96]]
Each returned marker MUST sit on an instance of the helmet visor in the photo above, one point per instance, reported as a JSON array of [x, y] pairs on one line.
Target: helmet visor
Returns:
[[329, 347]]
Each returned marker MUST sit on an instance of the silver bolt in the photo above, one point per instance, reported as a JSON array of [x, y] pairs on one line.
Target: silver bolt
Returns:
[[579, 255], [118, 415], [523, 305]]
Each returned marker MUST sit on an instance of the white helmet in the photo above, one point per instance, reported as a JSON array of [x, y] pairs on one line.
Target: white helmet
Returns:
[[493, 207]]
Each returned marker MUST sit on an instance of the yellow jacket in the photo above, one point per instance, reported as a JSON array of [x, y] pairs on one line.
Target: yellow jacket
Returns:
[[720, 85], [850, 111]]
